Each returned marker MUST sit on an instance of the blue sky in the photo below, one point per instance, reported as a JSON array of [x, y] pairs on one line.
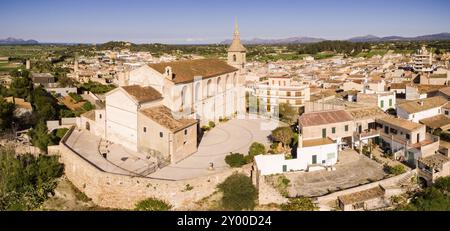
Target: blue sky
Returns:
[[207, 21]]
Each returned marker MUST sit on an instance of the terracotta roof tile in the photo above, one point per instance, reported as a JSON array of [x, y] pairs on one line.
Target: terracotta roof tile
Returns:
[[415, 106], [163, 116], [362, 196], [142, 94], [324, 117], [185, 71]]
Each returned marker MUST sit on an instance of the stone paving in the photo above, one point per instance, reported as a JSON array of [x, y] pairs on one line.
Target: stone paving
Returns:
[[232, 136], [119, 160], [352, 170]]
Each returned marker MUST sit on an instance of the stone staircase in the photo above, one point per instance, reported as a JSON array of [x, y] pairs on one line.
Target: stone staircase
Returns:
[[406, 180]]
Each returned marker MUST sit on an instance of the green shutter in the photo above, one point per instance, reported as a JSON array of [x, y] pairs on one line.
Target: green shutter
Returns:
[[390, 102], [314, 159], [382, 104], [333, 130], [346, 128], [324, 133]]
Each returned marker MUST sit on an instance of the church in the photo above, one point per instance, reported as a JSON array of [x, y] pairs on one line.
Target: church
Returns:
[[162, 106]]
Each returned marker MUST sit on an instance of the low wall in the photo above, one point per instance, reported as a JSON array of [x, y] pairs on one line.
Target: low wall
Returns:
[[388, 182], [123, 191]]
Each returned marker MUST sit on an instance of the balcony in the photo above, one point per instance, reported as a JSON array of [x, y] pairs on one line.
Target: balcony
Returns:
[[367, 134]]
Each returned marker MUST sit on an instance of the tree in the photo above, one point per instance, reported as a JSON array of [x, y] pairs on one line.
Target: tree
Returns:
[[396, 170], [21, 87], [153, 204], [25, 180], [288, 114], [299, 204], [443, 184], [239, 193], [434, 198], [39, 136], [88, 106], [235, 160], [257, 149], [283, 135], [6, 114]]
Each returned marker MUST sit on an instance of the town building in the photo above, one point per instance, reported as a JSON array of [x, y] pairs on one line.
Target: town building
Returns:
[[204, 89], [417, 110], [160, 110], [43, 79], [434, 166], [423, 60], [406, 140], [282, 89], [369, 199], [383, 100]]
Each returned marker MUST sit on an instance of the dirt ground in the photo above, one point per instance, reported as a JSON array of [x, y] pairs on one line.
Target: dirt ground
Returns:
[[69, 103], [69, 198]]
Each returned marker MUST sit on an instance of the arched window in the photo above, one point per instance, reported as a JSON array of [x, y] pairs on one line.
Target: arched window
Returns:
[[183, 97], [219, 85], [209, 88], [234, 58], [197, 92], [227, 82], [234, 80]]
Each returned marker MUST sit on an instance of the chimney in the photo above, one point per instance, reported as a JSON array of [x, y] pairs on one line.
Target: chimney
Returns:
[[169, 74]]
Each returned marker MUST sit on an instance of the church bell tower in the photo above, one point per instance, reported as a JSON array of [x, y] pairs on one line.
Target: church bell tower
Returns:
[[236, 51]]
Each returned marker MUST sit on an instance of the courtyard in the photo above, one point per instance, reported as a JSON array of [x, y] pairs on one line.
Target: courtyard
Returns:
[[233, 136], [352, 170]]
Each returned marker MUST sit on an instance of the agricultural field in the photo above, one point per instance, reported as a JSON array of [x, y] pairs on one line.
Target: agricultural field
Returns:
[[6, 66], [35, 52]]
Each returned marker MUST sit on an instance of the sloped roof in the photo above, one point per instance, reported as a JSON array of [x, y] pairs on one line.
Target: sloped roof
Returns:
[[415, 106], [185, 71], [324, 117], [90, 115], [398, 86], [362, 196], [445, 91], [163, 116], [236, 46], [142, 94], [399, 122], [366, 113], [435, 122], [435, 160]]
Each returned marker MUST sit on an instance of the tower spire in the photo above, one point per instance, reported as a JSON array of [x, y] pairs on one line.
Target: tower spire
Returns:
[[236, 28]]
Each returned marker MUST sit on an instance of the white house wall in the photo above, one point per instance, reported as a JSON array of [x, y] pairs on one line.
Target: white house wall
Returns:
[[305, 154], [419, 115], [121, 120], [146, 76]]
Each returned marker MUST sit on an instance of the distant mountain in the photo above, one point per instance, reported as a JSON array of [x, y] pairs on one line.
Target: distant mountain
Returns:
[[16, 41], [366, 38], [372, 38], [292, 40]]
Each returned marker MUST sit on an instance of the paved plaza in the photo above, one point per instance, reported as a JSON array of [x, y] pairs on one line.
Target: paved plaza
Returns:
[[233, 136]]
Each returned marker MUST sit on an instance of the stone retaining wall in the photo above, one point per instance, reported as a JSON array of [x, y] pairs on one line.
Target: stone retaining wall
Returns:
[[386, 183], [123, 191]]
